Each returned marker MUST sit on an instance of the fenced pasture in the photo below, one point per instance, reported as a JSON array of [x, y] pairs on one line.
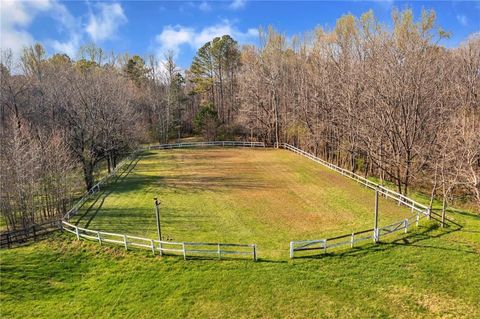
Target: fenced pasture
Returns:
[[250, 194], [418, 211], [224, 190]]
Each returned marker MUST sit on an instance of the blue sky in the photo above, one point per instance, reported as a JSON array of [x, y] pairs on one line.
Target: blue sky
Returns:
[[152, 27]]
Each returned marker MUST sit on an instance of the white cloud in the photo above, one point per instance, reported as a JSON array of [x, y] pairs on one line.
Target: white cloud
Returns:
[[69, 47], [204, 6], [208, 33], [72, 27], [173, 37], [237, 4], [105, 23], [15, 18], [462, 19]]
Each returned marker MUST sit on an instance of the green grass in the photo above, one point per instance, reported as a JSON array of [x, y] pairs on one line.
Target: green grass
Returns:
[[262, 196], [267, 197], [429, 273]]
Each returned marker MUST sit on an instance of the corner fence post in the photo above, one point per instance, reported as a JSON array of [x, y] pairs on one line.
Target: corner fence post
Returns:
[[160, 248], [291, 250]]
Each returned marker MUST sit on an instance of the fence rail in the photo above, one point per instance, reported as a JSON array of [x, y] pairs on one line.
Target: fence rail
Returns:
[[185, 249], [33, 232], [420, 211], [95, 188], [207, 144]]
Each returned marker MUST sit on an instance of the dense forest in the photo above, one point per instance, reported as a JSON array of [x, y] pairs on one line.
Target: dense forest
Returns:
[[385, 102]]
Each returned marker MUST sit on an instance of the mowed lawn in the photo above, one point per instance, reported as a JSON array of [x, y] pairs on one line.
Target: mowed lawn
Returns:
[[427, 273], [233, 195]]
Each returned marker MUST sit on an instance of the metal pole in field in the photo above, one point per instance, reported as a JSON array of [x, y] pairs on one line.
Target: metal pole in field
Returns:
[[157, 214], [375, 225]]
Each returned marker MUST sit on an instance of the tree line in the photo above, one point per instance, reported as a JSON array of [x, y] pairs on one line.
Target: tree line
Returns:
[[61, 118], [385, 102]]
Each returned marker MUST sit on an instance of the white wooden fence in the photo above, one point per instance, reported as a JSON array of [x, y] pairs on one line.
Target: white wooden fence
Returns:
[[420, 211], [219, 249], [95, 188], [350, 240], [184, 249], [207, 144]]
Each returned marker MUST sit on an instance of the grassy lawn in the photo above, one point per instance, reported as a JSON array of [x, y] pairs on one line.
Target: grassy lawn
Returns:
[[428, 273], [263, 196]]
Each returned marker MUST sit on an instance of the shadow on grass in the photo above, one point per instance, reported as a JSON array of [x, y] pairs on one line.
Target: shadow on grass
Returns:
[[105, 192], [179, 183], [414, 239], [177, 225]]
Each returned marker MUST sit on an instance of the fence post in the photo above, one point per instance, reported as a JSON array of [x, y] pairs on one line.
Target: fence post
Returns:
[[405, 222], [352, 240], [99, 238], [160, 248], [417, 219], [9, 241], [291, 250], [78, 234], [324, 246], [157, 215], [429, 213], [61, 226], [184, 252], [34, 233], [125, 241], [153, 246], [254, 252], [219, 253]]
